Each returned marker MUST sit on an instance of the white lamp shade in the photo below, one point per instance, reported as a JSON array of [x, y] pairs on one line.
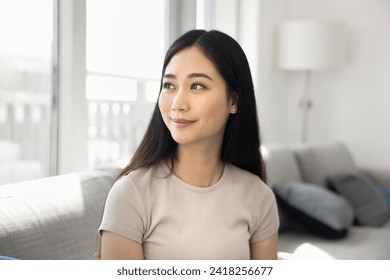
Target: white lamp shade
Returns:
[[310, 45]]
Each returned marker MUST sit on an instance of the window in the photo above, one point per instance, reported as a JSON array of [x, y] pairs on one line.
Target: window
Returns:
[[26, 38], [109, 56], [124, 55]]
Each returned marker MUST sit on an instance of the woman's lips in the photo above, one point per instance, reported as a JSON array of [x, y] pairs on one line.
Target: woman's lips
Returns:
[[179, 123]]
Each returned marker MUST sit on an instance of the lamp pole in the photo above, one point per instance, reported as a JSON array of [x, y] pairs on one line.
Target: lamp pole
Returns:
[[305, 105]]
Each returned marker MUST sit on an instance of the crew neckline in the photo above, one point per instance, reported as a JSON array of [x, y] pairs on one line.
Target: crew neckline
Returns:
[[195, 188]]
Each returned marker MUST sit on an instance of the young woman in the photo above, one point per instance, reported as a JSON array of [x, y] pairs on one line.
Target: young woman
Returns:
[[194, 188]]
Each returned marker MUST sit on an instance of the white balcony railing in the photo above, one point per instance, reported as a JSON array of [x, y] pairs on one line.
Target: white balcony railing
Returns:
[[24, 136], [115, 128]]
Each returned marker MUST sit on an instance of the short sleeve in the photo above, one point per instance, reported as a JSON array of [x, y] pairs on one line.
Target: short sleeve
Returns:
[[123, 212], [267, 217]]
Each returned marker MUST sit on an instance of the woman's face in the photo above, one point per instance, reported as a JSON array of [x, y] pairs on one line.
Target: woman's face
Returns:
[[194, 101]]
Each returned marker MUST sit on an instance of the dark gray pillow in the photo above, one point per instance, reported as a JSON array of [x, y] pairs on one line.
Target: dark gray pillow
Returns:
[[384, 192], [318, 209], [370, 208]]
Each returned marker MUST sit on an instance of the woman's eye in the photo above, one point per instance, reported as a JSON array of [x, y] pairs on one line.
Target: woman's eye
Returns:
[[167, 86], [197, 86]]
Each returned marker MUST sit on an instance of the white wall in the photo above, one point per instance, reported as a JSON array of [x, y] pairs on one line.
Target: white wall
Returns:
[[351, 104], [271, 86], [251, 23]]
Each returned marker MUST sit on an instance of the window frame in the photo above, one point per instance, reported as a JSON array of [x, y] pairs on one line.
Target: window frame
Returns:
[[70, 118]]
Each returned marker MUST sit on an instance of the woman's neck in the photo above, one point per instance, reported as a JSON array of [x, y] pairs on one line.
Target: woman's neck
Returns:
[[197, 166]]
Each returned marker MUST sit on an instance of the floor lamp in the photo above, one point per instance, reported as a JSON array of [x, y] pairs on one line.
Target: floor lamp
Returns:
[[309, 45]]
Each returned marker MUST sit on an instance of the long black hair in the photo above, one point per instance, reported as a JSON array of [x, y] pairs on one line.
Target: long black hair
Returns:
[[241, 140]]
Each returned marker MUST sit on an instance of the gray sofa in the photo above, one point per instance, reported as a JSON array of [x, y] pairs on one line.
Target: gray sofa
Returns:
[[312, 166], [58, 217], [55, 217]]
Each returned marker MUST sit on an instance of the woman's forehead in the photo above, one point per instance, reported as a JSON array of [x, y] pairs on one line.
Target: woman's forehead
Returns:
[[190, 60]]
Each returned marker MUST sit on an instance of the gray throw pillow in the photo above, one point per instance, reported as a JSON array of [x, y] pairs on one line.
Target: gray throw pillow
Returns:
[[318, 209], [370, 208], [317, 162]]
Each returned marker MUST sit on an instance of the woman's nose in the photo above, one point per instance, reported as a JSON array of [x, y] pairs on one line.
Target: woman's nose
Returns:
[[180, 101]]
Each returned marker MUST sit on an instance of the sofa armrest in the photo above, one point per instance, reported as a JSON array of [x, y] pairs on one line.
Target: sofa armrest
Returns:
[[53, 218], [379, 177]]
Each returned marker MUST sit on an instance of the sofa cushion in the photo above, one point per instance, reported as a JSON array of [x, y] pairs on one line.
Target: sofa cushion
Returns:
[[378, 176], [320, 210], [370, 208], [281, 168], [362, 243], [317, 162], [281, 165], [53, 218]]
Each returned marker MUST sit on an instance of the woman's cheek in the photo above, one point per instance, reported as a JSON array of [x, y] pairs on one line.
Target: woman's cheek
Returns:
[[164, 107]]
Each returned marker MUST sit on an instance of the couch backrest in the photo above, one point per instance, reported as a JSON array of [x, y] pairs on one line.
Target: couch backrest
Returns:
[[281, 165], [311, 163], [53, 218]]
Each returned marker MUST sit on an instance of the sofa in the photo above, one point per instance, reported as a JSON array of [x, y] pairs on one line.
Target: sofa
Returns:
[[54, 218], [329, 208], [58, 217]]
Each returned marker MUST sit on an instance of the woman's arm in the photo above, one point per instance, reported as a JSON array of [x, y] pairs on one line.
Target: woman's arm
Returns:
[[265, 249], [117, 247]]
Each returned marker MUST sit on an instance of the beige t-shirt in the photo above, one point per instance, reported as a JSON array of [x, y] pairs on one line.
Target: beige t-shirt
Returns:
[[174, 220]]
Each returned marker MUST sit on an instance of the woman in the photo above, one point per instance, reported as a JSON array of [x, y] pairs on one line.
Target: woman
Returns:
[[194, 188]]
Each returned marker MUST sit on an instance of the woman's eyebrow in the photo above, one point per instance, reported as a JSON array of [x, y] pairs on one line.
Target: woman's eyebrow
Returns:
[[170, 76], [199, 75], [192, 75]]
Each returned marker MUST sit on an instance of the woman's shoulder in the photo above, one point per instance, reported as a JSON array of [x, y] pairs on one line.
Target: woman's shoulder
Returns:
[[238, 173], [143, 177], [245, 178]]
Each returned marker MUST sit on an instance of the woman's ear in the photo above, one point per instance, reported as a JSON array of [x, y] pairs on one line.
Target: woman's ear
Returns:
[[233, 103]]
